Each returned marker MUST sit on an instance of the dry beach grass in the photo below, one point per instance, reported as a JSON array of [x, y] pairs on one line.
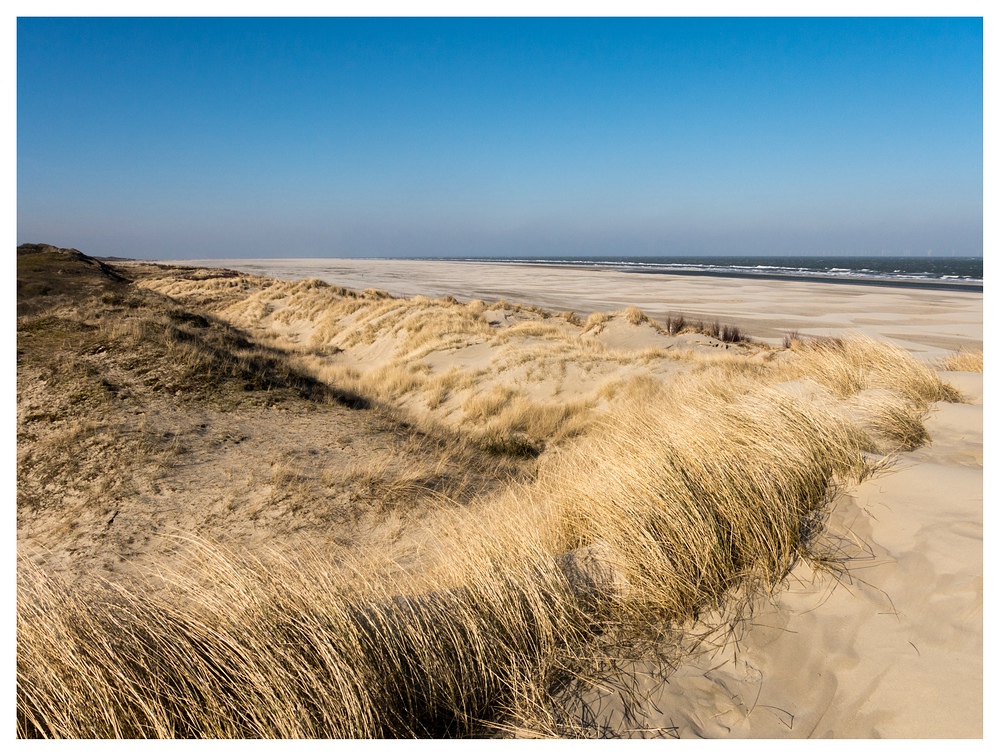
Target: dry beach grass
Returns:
[[257, 508], [965, 360]]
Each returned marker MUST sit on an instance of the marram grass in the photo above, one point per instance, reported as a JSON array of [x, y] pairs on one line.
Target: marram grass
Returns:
[[688, 491], [964, 360]]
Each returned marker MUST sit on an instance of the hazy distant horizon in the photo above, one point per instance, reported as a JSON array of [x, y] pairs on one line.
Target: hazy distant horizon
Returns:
[[183, 138]]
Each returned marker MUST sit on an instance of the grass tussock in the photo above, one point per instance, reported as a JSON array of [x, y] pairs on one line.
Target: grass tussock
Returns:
[[595, 321], [898, 422], [635, 316], [851, 365], [676, 324], [288, 648], [690, 510], [963, 361]]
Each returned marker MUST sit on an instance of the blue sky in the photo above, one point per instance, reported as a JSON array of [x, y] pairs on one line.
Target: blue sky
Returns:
[[173, 138]]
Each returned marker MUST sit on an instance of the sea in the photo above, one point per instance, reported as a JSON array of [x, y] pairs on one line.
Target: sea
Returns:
[[962, 273]]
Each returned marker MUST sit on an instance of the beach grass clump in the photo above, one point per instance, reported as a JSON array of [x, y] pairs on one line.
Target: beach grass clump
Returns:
[[848, 366], [289, 648], [541, 422], [635, 316], [898, 421], [963, 361], [694, 488], [676, 324], [596, 321], [892, 422]]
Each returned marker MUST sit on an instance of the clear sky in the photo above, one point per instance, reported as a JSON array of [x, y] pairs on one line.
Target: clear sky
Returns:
[[174, 138]]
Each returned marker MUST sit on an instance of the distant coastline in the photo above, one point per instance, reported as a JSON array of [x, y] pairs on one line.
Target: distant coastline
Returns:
[[935, 273], [908, 283], [936, 285]]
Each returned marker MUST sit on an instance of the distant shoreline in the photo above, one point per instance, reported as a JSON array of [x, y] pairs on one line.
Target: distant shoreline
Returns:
[[905, 283], [909, 283]]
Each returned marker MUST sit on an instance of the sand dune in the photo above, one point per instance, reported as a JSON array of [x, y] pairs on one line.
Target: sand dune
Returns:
[[449, 453], [891, 646]]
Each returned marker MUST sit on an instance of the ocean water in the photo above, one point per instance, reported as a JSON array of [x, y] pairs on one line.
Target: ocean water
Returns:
[[928, 270]]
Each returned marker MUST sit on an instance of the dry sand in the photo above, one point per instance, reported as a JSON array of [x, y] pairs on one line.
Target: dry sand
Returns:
[[891, 648]]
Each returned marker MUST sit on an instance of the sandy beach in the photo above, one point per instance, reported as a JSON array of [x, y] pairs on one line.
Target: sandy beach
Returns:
[[877, 633]]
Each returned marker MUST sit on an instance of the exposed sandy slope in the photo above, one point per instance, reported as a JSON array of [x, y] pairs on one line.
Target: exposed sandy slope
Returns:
[[891, 648], [928, 323], [286, 476]]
